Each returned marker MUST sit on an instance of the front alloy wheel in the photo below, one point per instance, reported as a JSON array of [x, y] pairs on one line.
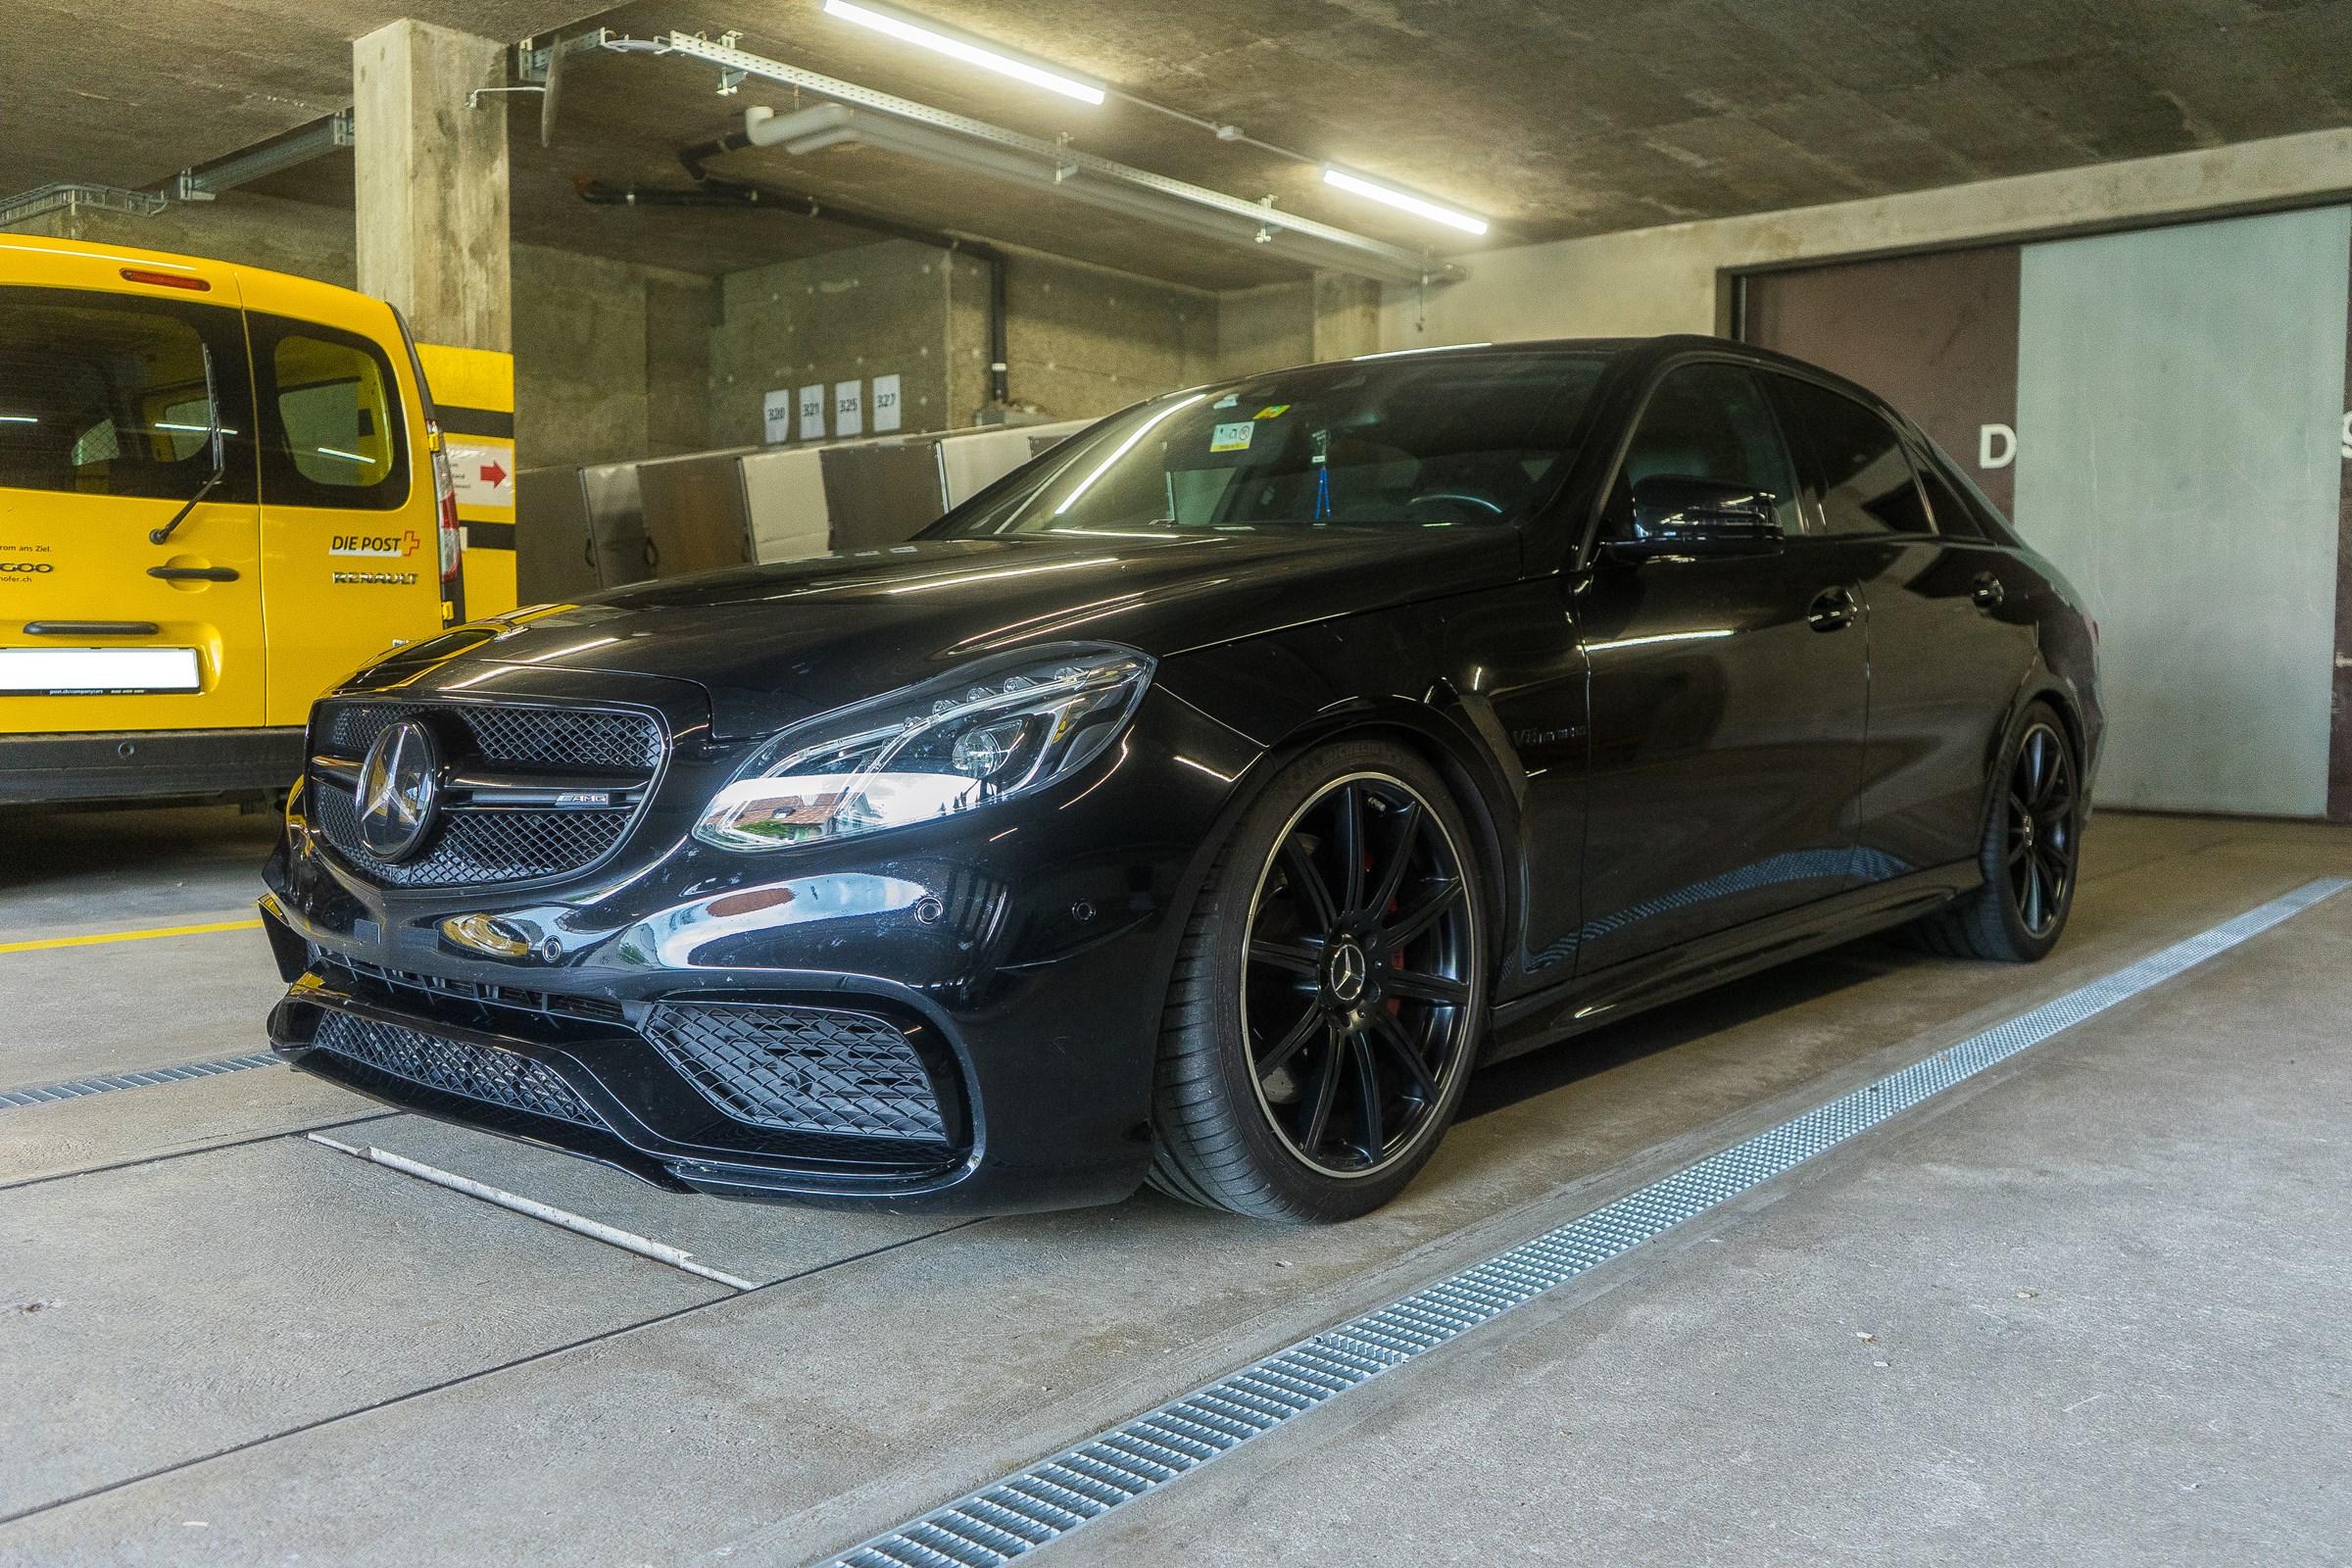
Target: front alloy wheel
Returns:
[[1355, 991], [1343, 925]]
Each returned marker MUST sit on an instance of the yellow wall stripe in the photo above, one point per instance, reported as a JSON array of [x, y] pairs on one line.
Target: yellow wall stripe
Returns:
[[130, 936]]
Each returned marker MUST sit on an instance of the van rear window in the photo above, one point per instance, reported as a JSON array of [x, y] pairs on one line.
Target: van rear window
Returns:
[[106, 395], [332, 424]]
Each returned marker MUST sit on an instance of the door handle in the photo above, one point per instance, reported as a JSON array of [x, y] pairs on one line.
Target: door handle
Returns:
[[194, 573], [1987, 591], [91, 628], [1831, 609]]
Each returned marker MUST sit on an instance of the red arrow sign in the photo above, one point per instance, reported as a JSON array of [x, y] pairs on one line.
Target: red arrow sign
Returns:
[[492, 475]]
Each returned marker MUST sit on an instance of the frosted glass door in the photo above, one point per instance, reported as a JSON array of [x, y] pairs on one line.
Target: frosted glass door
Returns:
[[2180, 396]]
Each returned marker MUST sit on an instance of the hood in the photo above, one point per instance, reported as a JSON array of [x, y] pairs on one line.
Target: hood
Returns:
[[773, 645]]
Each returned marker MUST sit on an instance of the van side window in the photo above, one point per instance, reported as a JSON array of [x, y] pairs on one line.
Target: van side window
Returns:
[[104, 395], [1861, 478], [331, 418]]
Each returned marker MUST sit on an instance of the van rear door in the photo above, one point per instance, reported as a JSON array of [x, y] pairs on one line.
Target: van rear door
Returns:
[[349, 507], [106, 435]]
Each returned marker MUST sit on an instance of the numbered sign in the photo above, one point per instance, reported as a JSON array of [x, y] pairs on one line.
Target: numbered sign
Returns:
[[849, 408], [886, 404], [813, 414]]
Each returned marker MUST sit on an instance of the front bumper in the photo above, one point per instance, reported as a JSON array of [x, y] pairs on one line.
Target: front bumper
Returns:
[[1024, 950]]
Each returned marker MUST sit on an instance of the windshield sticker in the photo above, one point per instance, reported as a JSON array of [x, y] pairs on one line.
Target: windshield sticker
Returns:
[[1232, 437], [1272, 411], [1227, 401]]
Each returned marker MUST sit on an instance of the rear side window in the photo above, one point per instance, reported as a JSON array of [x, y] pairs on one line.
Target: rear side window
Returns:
[[106, 395], [1860, 477], [1952, 517], [331, 427]]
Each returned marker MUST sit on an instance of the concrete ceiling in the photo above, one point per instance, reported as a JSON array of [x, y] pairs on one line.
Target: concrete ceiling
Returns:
[[1552, 117]]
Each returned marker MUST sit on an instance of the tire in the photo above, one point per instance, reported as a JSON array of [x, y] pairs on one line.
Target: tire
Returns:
[[2029, 852], [1320, 1025]]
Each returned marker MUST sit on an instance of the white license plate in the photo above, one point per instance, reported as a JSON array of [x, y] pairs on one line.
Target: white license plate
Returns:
[[73, 671]]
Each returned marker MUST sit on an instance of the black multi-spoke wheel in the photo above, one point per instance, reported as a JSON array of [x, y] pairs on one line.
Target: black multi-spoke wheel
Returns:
[[1327, 1004], [2041, 848], [2032, 832], [1355, 989]]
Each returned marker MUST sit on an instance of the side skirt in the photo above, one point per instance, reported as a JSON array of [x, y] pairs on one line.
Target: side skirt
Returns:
[[1588, 1001]]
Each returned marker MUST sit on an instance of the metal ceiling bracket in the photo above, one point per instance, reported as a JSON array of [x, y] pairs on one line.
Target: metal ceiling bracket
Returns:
[[919, 130], [202, 184]]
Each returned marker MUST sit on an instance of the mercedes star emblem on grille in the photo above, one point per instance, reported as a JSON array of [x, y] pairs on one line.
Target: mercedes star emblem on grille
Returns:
[[400, 782]]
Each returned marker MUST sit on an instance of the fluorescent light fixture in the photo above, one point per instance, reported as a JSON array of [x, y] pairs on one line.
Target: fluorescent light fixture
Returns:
[[1420, 206], [970, 54]]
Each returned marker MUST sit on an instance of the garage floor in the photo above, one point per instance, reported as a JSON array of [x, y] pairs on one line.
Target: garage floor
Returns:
[[2094, 1305]]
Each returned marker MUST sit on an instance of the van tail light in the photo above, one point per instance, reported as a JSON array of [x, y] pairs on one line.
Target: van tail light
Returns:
[[446, 490]]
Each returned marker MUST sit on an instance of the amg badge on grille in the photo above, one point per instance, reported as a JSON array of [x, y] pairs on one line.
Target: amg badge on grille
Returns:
[[400, 783]]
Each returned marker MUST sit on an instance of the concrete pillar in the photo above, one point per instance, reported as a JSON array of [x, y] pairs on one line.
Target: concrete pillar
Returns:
[[1346, 316], [432, 181]]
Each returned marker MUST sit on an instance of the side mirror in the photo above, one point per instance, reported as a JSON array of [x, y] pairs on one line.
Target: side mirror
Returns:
[[1678, 515]]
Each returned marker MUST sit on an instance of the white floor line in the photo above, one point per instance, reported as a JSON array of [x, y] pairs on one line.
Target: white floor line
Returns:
[[563, 1219], [1036, 1505]]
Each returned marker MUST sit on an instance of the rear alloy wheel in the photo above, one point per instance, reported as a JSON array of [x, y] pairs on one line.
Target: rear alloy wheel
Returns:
[[2033, 839], [1330, 995]]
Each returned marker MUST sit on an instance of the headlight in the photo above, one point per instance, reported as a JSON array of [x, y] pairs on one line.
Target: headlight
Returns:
[[991, 730]]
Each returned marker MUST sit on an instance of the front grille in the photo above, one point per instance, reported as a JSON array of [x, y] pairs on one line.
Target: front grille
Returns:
[[508, 843], [479, 847], [803, 1070], [454, 1066], [540, 737]]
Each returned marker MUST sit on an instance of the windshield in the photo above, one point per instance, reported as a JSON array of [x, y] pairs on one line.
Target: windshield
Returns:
[[1406, 441]]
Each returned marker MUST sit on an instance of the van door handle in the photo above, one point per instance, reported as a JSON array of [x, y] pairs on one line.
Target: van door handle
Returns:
[[194, 573], [1987, 591], [91, 628], [1831, 609]]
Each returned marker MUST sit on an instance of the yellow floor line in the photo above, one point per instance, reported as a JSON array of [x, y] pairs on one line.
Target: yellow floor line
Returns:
[[130, 936]]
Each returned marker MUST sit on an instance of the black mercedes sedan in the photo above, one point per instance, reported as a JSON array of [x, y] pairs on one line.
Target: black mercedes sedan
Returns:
[[1202, 802]]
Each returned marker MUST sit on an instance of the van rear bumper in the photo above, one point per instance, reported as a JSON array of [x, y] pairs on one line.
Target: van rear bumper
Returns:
[[144, 764]]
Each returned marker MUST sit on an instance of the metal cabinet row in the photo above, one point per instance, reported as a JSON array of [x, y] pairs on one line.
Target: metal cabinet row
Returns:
[[582, 528]]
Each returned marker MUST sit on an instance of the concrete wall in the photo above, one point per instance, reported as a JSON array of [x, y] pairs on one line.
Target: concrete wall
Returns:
[[1085, 340], [1672, 278], [878, 310], [609, 359]]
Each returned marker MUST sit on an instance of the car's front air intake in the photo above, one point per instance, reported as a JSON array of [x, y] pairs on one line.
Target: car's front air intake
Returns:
[[454, 1066], [532, 792], [802, 1069]]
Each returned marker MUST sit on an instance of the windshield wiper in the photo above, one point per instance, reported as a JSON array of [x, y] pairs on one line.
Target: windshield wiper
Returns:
[[211, 401]]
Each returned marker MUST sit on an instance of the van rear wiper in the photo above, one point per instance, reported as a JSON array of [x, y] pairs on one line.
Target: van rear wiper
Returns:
[[212, 400]]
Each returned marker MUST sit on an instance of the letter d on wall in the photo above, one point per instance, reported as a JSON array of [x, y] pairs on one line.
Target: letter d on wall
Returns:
[[1996, 446]]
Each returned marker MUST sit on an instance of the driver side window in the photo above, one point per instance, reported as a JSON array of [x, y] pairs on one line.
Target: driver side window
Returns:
[[1706, 421]]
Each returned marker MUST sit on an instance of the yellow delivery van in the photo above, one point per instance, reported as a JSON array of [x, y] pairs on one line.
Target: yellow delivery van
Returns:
[[220, 490]]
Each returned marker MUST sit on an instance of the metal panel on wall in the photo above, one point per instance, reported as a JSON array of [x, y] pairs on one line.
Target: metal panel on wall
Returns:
[[2180, 397], [555, 559], [696, 518]]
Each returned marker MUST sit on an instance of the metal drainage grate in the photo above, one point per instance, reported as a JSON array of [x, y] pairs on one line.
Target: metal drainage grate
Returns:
[[76, 1087], [1038, 1505]]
